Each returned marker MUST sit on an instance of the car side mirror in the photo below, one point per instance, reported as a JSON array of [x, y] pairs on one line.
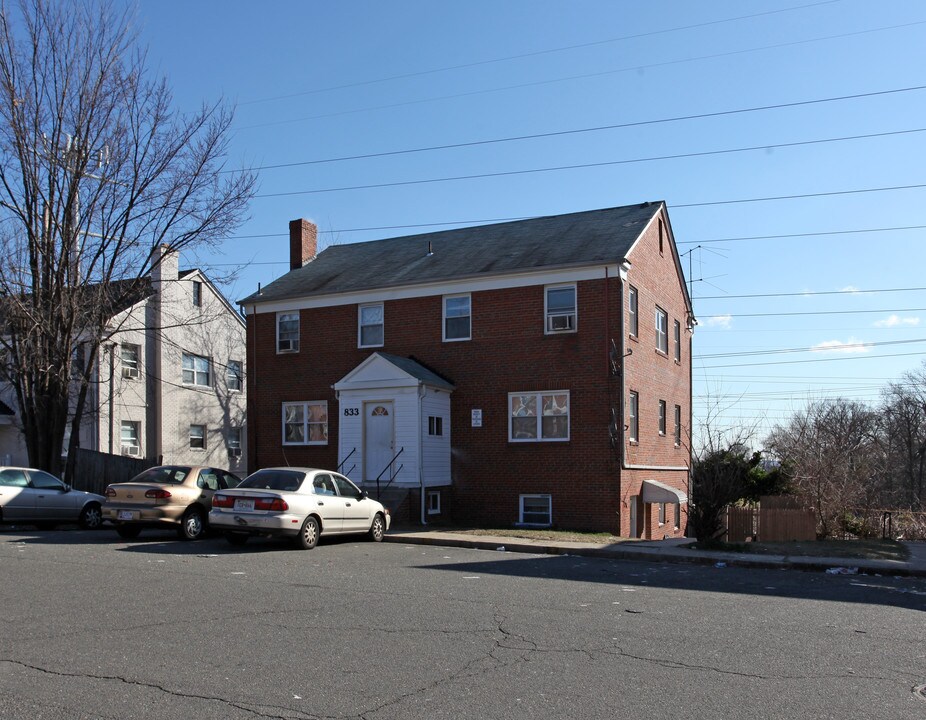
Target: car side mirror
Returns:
[[66, 488], [363, 494]]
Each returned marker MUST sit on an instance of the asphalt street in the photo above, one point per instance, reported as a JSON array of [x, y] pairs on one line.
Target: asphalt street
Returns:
[[94, 627]]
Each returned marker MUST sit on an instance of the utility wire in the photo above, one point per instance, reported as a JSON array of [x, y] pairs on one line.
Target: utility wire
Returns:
[[820, 292], [843, 348], [608, 163], [810, 312], [577, 131], [535, 53], [796, 362]]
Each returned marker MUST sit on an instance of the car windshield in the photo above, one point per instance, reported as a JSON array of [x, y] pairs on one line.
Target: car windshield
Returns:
[[285, 480], [166, 475]]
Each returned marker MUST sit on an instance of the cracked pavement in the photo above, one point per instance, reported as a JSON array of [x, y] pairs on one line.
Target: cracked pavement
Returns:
[[94, 627]]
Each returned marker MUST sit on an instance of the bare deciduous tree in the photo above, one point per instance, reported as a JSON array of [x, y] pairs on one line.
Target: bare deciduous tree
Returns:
[[97, 171]]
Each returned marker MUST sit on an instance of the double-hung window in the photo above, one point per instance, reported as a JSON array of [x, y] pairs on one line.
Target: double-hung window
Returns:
[[538, 417], [678, 425], [197, 437], [536, 510], [288, 332], [129, 355], [370, 319], [457, 318], [233, 441], [128, 437], [196, 370], [234, 375], [560, 308], [677, 330], [662, 417], [633, 416], [633, 319], [305, 423], [662, 330]]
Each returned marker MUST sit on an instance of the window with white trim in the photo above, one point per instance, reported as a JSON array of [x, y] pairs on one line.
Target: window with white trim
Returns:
[[678, 425], [560, 308], [435, 425], [662, 417], [433, 502], [662, 330], [233, 441], [633, 416], [129, 355], [457, 317], [305, 423], [197, 294], [197, 370], [633, 319], [288, 332], [234, 375], [370, 320], [197, 437], [662, 513], [535, 510], [128, 437], [538, 417], [677, 331]]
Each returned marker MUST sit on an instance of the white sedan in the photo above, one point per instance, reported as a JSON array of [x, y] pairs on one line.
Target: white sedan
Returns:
[[300, 503]]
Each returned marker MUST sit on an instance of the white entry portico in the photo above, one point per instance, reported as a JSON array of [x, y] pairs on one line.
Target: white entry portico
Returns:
[[394, 423]]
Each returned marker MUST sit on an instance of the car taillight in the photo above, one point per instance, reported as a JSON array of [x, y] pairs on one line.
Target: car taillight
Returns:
[[276, 504], [109, 491], [222, 501], [157, 494]]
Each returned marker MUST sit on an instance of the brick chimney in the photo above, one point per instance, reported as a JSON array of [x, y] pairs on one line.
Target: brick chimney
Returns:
[[303, 243]]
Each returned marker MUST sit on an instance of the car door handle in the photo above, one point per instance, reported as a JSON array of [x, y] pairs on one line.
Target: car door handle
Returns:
[[321, 503], [346, 504]]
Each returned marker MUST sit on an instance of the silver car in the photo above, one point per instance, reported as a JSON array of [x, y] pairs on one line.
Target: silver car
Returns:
[[35, 497], [299, 503]]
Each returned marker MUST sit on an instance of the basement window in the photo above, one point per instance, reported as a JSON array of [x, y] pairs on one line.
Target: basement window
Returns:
[[536, 510]]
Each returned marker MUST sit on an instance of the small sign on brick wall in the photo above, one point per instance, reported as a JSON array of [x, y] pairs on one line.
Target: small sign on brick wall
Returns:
[[477, 418]]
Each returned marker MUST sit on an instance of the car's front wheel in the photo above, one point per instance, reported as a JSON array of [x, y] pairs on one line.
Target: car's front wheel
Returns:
[[377, 529], [128, 532], [91, 517], [308, 535], [192, 525]]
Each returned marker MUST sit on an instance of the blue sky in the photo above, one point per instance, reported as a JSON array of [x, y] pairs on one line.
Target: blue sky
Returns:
[[314, 81]]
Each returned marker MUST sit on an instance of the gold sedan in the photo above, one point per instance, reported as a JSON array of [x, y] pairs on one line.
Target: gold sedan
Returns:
[[166, 496]]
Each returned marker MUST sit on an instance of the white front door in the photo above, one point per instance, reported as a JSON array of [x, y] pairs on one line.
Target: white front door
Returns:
[[378, 440]]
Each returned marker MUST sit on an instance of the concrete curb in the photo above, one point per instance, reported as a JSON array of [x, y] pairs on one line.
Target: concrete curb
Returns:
[[649, 554]]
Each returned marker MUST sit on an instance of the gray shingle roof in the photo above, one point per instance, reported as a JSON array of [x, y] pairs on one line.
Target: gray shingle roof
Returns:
[[581, 238], [417, 370]]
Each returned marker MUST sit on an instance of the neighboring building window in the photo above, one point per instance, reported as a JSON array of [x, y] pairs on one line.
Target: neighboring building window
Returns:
[[662, 513], [536, 510], [662, 330], [678, 424], [433, 502], [233, 375], [196, 370], [305, 423], [677, 330], [129, 355], [633, 416], [661, 233], [128, 437], [435, 425], [633, 317], [197, 294], [287, 332], [678, 515], [560, 308], [457, 318], [371, 325], [662, 417], [197, 437], [233, 441], [538, 417]]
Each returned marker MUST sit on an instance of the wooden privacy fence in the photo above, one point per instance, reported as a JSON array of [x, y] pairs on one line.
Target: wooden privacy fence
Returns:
[[777, 519], [93, 471]]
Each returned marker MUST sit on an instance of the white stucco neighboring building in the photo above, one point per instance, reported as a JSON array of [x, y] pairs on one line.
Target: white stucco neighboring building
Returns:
[[169, 380]]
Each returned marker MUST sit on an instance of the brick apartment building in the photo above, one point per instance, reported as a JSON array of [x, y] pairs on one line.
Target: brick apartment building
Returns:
[[532, 373]]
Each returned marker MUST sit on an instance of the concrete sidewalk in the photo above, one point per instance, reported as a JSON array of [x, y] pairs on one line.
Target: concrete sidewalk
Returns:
[[672, 551]]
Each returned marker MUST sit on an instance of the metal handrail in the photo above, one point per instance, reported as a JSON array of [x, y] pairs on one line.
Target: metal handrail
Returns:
[[345, 460], [392, 477]]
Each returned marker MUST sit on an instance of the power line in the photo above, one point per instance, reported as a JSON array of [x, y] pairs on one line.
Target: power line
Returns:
[[852, 291], [577, 131], [795, 362], [811, 312], [583, 166], [633, 68], [846, 347], [802, 235], [535, 53]]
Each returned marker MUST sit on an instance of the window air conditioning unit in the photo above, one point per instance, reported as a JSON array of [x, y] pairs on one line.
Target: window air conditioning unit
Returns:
[[131, 450], [130, 373], [234, 452], [559, 323]]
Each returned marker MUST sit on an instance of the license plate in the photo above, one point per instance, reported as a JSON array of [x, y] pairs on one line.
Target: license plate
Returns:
[[125, 515], [244, 505]]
